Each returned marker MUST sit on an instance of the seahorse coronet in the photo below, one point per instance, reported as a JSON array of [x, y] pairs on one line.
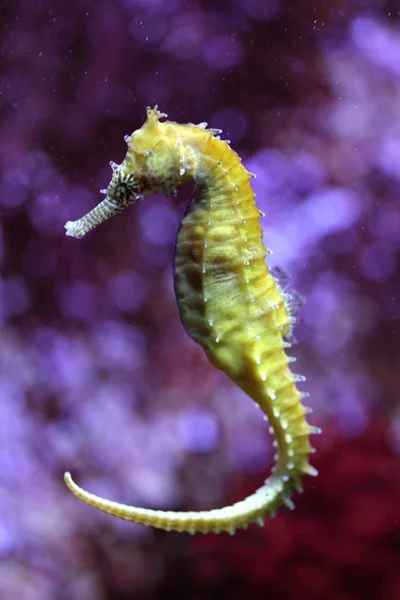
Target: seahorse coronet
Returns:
[[229, 302]]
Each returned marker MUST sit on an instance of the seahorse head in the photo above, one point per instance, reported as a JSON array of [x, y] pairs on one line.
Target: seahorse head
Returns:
[[152, 162]]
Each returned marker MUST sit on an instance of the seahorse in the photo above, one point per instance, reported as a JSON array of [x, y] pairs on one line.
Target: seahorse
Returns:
[[229, 303]]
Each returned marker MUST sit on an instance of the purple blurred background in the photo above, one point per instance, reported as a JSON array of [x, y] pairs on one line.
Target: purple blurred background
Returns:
[[97, 375]]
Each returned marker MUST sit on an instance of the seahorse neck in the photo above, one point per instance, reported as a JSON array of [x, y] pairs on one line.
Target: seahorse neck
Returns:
[[209, 161]]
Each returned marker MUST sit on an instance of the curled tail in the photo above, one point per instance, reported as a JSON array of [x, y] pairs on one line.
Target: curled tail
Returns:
[[287, 417], [265, 501]]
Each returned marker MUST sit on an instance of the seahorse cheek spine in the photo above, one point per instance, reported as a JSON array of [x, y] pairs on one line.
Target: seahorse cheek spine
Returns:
[[228, 302]]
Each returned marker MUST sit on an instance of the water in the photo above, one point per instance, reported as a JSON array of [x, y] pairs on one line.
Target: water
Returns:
[[97, 375]]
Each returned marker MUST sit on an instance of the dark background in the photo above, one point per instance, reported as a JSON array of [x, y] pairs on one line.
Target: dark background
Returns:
[[97, 375]]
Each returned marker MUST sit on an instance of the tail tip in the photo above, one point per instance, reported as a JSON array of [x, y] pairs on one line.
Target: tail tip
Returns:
[[68, 478]]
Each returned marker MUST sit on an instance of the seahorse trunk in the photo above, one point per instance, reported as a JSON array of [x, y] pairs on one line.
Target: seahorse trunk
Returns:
[[231, 305]]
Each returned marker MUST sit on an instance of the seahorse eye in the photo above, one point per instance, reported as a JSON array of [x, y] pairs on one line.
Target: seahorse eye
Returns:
[[124, 189]]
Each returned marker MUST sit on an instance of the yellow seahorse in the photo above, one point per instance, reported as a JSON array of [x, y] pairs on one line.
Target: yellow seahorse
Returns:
[[228, 301]]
